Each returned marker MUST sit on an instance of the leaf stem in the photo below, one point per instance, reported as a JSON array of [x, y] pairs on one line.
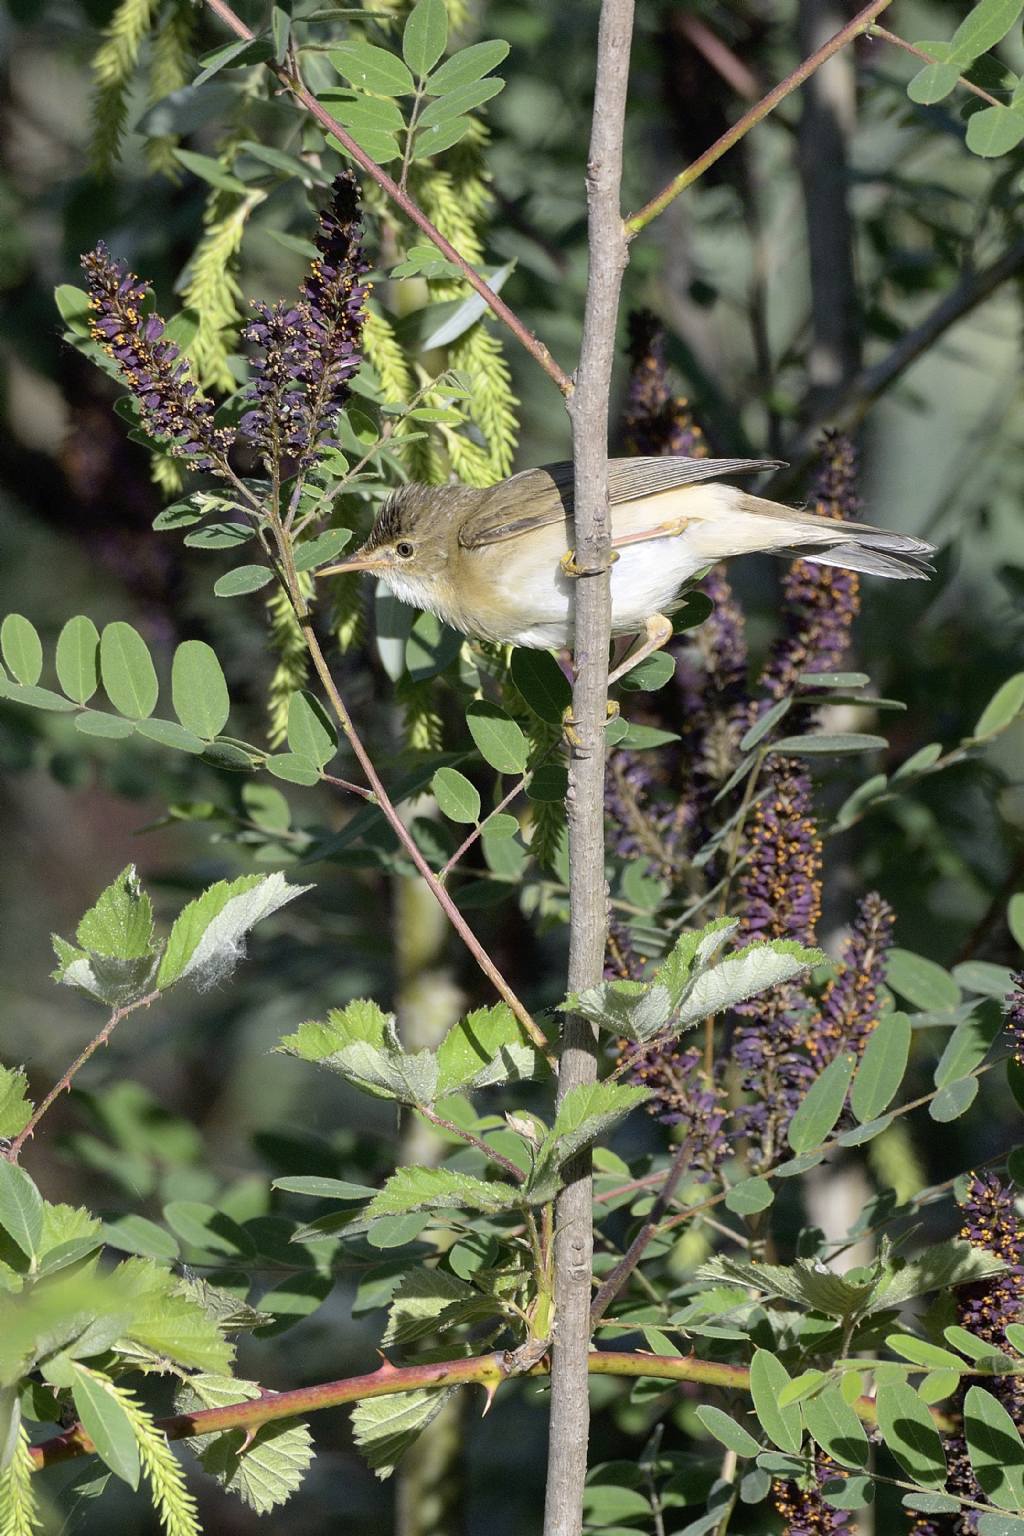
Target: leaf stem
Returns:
[[511, 1168], [757, 113], [293, 82], [63, 1084], [898, 42]]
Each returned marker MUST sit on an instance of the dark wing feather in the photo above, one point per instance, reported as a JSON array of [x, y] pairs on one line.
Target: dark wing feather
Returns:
[[539, 497]]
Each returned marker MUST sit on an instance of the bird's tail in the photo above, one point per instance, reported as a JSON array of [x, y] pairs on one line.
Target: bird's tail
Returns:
[[751, 523]]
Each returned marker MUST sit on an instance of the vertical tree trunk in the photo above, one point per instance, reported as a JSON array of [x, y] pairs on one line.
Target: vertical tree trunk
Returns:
[[570, 1406]]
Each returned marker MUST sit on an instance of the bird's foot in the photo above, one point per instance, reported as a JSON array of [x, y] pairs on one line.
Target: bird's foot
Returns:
[[569, 566], [569, 723]]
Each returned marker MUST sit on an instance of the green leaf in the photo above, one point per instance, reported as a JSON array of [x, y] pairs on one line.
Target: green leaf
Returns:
[[457, 798], [833, 1424], [136, 1234], [198, 690], [954, 1100], [211, 171], [725, 1429], [243, 579], [206, 938], [649, 675], [372, 69], [431, 647], [822, 1106], [923, 983], [326, 546], [168, 733], [21, 648], [120, 924], [769, 1377], [74, 307], [991, 132], [747, 973], [882, 1067], [467, 312], [995, 1449], [922, 1352], [106, 1423], [933, 83], [498, 738], [1015, 917], [385, 1427], [129, 676], [588, 1111], [542, 683], [768, 721], [15, 1107], [293, 769], [999, 1525], [1008, 701], [421, 1302], [428, 1189], [984, 978], [910, 1434], [78, 648], [749, 1196], [454, 103], [986, 24], [21, 1208], [38, 698], [488, 1046], [833, 745], [310, 732], [548, 784], [220, 536], [469, 64], [968, 1045], [274, 1462], [918, 762], [324, 1188], [425, 36]]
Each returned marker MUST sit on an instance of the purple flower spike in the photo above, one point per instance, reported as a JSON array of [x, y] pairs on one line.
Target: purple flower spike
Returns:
[[170, 406], [309, 349], [849, 1008]]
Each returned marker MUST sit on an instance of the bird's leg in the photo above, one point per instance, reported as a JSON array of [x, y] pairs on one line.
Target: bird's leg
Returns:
[[657, 632], [668, 530]]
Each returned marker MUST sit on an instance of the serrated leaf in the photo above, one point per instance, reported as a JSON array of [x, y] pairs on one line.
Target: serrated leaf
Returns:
[[274, 1461], [986, 24], [882, 1068], [21, 648], [425, 35], [106, 1423], [749, 972], [499, 740], [423, 1300], [725, 1429], [207, 937], [909, 1432], [588, 1111], [126, 667], [361, 1043], [385, 1427], [310, 732], [21, 1208], [15, 1107], [78, 647], [923, 983], [457, 798], [372, 69], [487, 1047], [822, 1105], [426, 1189], [120, 923], [469, 64], [833, 1424], [243, 579], [769, 1377]]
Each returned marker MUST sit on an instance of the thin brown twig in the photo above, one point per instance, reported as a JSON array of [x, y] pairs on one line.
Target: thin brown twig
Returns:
[[293, 83], [468, 841], [616, 1279], [63, 1084], [511, 1168], [757, 113], [899, 42]]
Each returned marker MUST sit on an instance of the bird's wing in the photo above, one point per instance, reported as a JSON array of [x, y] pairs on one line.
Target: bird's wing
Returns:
[[539, 497]]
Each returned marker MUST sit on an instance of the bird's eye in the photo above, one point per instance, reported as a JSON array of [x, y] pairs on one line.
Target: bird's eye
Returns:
[[404, 550]]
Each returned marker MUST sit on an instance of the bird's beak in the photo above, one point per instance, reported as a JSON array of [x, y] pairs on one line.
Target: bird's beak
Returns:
[[360, 561]]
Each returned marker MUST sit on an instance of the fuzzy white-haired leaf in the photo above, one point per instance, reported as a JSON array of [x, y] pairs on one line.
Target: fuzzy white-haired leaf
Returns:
[[385, 1427], [488, 1046], [208, 936], [424, 1189], [744, 975], [589, 1111], [360, 1042]]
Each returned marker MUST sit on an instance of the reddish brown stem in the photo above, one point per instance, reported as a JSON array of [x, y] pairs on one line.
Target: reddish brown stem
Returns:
[[536, 348]]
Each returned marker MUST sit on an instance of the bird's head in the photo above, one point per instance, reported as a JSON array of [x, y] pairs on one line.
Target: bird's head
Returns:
[[410, 544]]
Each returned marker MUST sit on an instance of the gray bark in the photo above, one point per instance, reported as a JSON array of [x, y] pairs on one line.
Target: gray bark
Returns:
[[570, 1405]]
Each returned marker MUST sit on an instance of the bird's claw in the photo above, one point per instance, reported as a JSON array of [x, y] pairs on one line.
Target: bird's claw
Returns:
[[569, 566], [569, 730]]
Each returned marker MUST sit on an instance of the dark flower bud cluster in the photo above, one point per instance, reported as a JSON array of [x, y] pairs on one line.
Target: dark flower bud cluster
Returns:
[[804, 1509], [170, 407], [820, 603], [656, 420], [848, 1011], [309, 349], [1015, 1017]]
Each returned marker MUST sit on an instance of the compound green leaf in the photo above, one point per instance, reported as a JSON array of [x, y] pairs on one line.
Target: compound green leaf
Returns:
[[126, 666], [78, 647]]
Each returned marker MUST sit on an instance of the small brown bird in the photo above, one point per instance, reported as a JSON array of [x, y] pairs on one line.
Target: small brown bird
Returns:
[[497, 563]]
